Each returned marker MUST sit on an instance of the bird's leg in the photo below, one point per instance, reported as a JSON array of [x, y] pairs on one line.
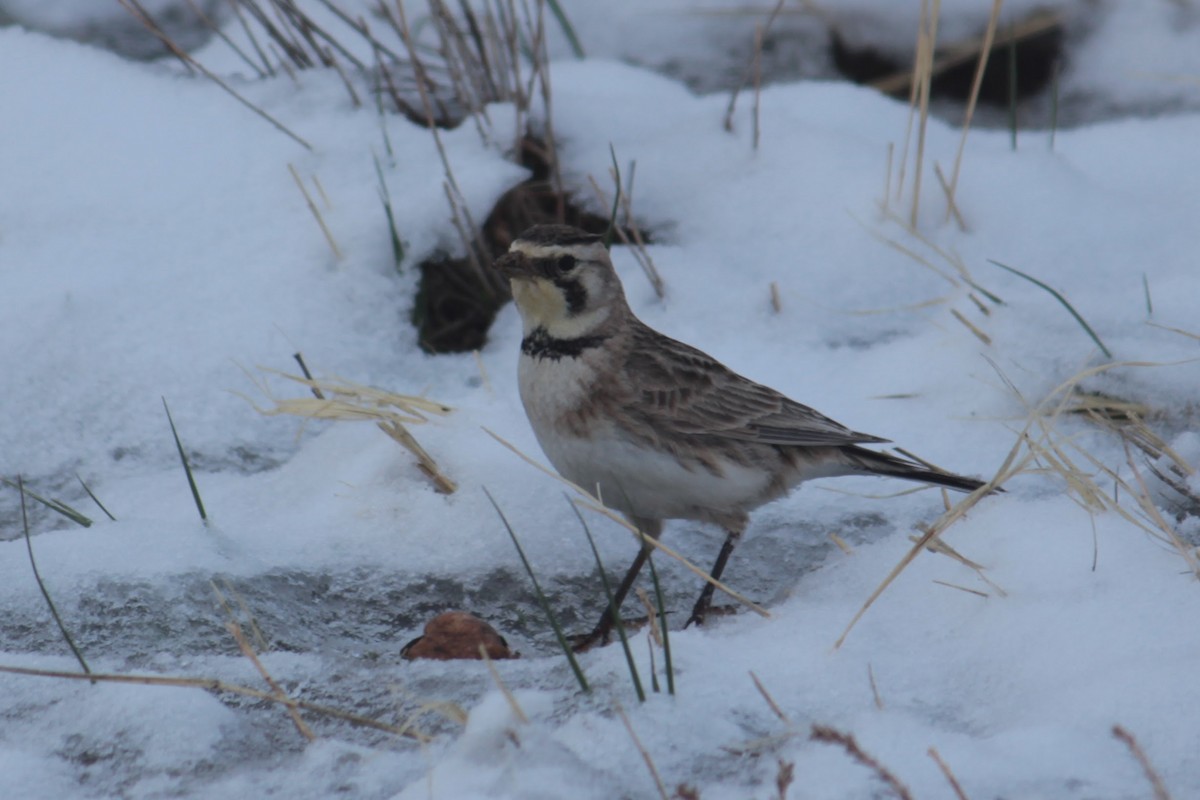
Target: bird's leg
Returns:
[[604, 626], [701, 608]]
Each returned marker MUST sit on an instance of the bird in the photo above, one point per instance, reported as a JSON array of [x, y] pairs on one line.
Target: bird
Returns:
[[655, 428]]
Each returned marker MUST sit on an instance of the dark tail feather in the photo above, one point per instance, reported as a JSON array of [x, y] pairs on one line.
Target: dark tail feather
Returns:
[[892, 466]]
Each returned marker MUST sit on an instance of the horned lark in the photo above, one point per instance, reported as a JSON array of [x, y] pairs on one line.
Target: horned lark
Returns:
[[660, 429]]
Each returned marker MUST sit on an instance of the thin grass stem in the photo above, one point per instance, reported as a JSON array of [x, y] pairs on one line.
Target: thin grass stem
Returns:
[[613, 611], [316, 390], [243, 644], [985, 52], [1155, 780], [541, 597], [56, 506], [509, 697], [829, 735], [775, 709], [662, 790], [568, 29], [385, 198], [1082, 322], [927, 42], [95, 499], [214, 685], [662, 616], [192, 63], [316, 212], [654, 687], [220, 33], [187, 467], [612, 217], [950, 778], [360, 27], [237, 12], [37, 577], [748, 70]]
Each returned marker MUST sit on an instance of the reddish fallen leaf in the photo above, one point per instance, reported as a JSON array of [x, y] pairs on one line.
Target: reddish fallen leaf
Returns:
[[457, 634]]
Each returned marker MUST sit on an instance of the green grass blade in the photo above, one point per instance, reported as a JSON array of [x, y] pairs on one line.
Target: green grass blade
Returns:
[[37, 576], [385, 198], [187, 468], [611, 233], [653, 667], [383, 131], [1146, 290], [1061, 299], [613, 611], [982, 291], [57, 506], [299, 358], [95, 499], [662, 619], [541, 598], [567, 29], [662, 607]]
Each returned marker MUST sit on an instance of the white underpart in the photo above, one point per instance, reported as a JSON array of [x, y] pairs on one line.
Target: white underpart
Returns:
[[631, 478]]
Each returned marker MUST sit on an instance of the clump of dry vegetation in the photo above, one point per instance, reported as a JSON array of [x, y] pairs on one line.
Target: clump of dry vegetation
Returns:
[[440, 71]]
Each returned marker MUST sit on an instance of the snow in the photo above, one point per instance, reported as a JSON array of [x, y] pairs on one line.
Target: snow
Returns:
[[153, 244]]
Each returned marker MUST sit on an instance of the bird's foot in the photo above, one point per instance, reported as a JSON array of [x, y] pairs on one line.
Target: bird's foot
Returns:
[[699, 617], [602, 633], [582, 642], [700, 609]]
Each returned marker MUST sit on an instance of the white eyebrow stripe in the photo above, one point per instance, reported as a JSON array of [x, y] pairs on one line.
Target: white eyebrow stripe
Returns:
[[551, 250]]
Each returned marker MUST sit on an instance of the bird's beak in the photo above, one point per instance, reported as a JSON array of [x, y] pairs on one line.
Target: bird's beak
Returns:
[[512, 265]]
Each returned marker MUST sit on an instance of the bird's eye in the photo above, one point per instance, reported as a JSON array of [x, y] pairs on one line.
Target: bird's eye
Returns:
[[565, 263]]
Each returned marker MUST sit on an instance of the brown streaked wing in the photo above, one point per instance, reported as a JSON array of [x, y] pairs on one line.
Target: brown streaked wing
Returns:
[[682, 390]]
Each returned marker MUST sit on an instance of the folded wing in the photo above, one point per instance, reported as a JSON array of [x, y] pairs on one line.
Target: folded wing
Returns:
[[686, 392]]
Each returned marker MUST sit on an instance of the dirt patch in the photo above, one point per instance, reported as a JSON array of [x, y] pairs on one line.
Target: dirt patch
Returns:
[[458, 298]]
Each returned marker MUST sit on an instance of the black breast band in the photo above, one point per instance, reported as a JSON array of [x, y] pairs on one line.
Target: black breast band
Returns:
[[540, 344]]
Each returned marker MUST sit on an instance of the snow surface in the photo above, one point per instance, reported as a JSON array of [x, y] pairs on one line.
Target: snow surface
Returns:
[[154, 244]]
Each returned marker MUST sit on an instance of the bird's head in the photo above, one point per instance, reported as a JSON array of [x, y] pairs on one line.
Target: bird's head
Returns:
[[562, 281]]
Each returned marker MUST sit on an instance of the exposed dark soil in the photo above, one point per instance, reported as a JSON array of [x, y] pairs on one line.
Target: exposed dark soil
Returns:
[[456, 301]]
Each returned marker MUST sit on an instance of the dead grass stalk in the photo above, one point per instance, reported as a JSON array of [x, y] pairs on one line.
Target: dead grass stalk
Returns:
[[985, 50], [662, 790], [945, 768], [1156, 781], [345, 401], [221, 687], [829, 735]]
